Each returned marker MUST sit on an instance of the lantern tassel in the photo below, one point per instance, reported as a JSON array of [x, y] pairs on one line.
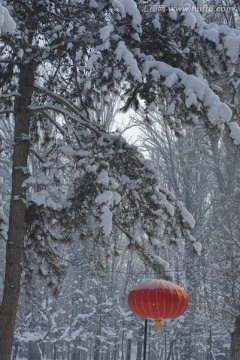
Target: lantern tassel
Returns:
[[158, 325]]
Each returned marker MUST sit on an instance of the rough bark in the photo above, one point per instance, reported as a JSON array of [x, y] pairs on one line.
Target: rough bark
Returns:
[[235, 341], [15, 242]]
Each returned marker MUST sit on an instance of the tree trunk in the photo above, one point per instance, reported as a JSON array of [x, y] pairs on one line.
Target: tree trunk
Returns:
[[96, 351], [15, 351], [140, 343], [15, 243], [54, 352], [115, 349], [129, 348], [33, 351], [235, 341]]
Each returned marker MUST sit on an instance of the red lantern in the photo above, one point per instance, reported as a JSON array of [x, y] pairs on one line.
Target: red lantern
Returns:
[[158, 300]]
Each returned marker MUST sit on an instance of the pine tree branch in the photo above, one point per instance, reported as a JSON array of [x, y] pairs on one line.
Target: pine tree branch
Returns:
[[7, 111], [74, 117], [6, 96], [32, 151]]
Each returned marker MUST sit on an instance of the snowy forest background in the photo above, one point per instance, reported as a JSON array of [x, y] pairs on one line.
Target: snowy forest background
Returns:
[[79, 268]]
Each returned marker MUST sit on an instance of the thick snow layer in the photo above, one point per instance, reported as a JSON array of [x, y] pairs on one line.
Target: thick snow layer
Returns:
[[40, 179], [197, 247], [108, 197], [114, 183], [212, 34], [7, 24], [232, 45], [169, 207], [157, 283], [235, 132], [103, 178], [93, 4], [117, 5], [229, 38], [132, 10], [156, 22], [122, 52], [186, 216], [106, 31], [196, 89], [219, 113], [79, 54], [106, 220], [189, 20], [43, 198], [105, 198]]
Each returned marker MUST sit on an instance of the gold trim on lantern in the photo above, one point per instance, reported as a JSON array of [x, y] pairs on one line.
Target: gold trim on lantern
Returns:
[[158, 325]]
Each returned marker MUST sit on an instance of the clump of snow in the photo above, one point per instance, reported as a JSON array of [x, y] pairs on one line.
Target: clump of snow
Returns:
[[189, 20], [43, 198], [235, 132], [7, 24], [122, 52], [194, 85], [186, 216], [132, 10], [171, 79], [114, 183], [108, 197], [106, 220], [20, 53], [197, 247], [232, 44], [220, 35], [219, 113], [79, 54], [196, 89], [104, 198], [118, 6], [106, 31], [191, 98], [169, 207], [87, 85], [157, 283], [93, 4], [171, 108], [116, 197], [156, 22], [40, 179], [211, 34], [90, 168], [103, 178]]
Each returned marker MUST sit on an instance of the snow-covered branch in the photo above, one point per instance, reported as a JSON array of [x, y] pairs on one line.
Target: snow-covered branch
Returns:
[[8, 95], [7, 24], [7, 111]]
